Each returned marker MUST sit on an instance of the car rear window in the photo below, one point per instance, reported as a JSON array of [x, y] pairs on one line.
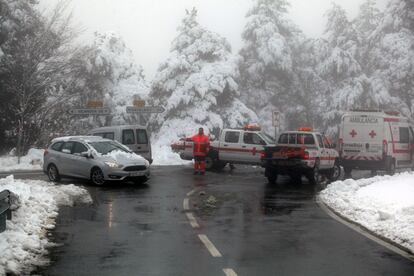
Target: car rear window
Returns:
[[57, 146], [142, 136], [107, 135], [306, 139], [404, 135]]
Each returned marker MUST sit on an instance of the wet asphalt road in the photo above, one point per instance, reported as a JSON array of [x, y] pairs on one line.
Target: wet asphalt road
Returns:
[[259, 229]]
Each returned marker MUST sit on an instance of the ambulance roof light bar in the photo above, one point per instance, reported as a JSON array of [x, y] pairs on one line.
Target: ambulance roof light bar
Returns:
[[252, 127], [307, 129]]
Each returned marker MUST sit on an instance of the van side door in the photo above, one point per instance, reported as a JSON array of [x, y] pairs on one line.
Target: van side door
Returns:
[[128, 139]]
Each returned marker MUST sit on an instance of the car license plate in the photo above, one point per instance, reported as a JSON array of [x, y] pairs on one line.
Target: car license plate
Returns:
[[136, 173]]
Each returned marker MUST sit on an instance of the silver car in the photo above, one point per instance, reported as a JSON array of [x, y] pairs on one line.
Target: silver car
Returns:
[[94, 158]]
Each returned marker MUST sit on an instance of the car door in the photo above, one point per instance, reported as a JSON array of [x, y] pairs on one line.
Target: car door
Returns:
[[324, 155], [229, 149], [142, 145], [329, 152], [64, 160], [79, 165], [252, 146]]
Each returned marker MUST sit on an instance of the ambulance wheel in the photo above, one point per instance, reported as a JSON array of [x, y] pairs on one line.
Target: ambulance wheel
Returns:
[[391, 167], [219, 165], [348, 172]]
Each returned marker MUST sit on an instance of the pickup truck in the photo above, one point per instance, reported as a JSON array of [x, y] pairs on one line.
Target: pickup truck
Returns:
[[235, 146], [301, 152]]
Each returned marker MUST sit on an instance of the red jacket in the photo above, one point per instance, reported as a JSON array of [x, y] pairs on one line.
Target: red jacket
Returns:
[[201, 145]]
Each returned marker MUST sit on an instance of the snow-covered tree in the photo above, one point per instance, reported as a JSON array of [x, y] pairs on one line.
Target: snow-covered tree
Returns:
[[348, 85], [197, 85], [268, 78], [111, 75], [392, 56]]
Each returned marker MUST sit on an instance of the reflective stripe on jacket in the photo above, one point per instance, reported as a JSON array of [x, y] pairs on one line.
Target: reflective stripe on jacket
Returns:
[[201, 145]]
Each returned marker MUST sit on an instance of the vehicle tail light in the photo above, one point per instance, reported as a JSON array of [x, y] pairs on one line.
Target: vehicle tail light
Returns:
[[262, 155], [384, 147], [306, 155]]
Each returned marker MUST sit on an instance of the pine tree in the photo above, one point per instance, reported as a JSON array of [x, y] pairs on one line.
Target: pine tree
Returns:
[[111, 75], [392, 57], [348, 85], [268, 77], [197, 85]]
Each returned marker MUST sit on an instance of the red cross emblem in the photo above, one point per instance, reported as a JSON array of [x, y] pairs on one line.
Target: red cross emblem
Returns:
[[353, 133], [372, 134]]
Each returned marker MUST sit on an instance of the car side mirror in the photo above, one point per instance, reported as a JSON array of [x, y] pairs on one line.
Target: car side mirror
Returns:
[[87, 154]]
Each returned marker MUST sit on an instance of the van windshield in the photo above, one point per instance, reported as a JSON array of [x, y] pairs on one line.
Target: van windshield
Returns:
[[106, 147]]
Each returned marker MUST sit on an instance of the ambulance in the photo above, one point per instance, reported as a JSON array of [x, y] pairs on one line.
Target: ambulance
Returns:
[[375, 140]]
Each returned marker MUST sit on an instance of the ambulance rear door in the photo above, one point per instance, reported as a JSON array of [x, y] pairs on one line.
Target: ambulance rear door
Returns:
[[363, 136]]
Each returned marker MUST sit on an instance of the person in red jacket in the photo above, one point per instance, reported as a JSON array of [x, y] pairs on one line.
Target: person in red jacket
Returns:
[[200, 150]]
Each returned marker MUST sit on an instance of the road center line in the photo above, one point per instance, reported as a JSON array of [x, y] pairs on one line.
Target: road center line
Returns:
[[229, 272], [210, 246], [192, 220], [186, 204]]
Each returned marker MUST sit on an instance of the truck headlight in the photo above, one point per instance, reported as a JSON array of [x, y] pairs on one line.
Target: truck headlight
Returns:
[[112, 164]]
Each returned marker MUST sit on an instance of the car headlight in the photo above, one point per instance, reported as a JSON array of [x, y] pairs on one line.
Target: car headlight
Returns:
[[147, 164], [112, 164]]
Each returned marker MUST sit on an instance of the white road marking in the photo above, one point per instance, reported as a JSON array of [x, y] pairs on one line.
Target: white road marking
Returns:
[[191, 192], [229, 272], [358, 229], [192, 220], [210, 246], [186, 204]]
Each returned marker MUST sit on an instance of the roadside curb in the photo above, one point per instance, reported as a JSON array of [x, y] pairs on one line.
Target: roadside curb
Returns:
[[21, 171], [384, 241]]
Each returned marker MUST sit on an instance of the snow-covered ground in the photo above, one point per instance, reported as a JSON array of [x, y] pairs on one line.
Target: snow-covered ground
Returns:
[[32, 161], [24, 243], [382, 204], [164, 156]]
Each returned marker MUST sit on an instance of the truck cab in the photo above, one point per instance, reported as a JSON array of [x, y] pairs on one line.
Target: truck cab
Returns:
[[301, 152], [235, 146]]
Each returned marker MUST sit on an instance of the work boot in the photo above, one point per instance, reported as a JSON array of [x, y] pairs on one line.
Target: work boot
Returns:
[[202, 173]]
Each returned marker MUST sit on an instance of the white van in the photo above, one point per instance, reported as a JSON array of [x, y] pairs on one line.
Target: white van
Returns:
[[375, 140], [134, 137]]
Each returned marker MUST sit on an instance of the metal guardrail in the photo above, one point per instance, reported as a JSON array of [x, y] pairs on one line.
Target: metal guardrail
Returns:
[[5, 212]]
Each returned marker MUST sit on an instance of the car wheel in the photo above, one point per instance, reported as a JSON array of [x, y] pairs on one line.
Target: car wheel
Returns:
[[53, 173], [97, 177]]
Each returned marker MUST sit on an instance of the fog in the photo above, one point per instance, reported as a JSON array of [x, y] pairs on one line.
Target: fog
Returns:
[[149, 26]]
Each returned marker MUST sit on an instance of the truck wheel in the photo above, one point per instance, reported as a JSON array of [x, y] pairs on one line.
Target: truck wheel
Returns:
[[334, 173], [219, 165], [348, 172], [271, 176], [391, 167], [314, 175], [209, 163]]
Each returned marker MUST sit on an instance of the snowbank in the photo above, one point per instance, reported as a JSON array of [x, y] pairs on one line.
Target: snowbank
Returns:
[[32, 161], [164, 156], [24, 243], [382, 204]]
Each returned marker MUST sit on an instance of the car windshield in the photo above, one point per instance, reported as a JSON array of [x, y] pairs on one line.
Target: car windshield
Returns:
[[105, 147], [269, 139]]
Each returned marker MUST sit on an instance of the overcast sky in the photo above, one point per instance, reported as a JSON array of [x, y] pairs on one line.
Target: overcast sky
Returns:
[[149, 26]]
